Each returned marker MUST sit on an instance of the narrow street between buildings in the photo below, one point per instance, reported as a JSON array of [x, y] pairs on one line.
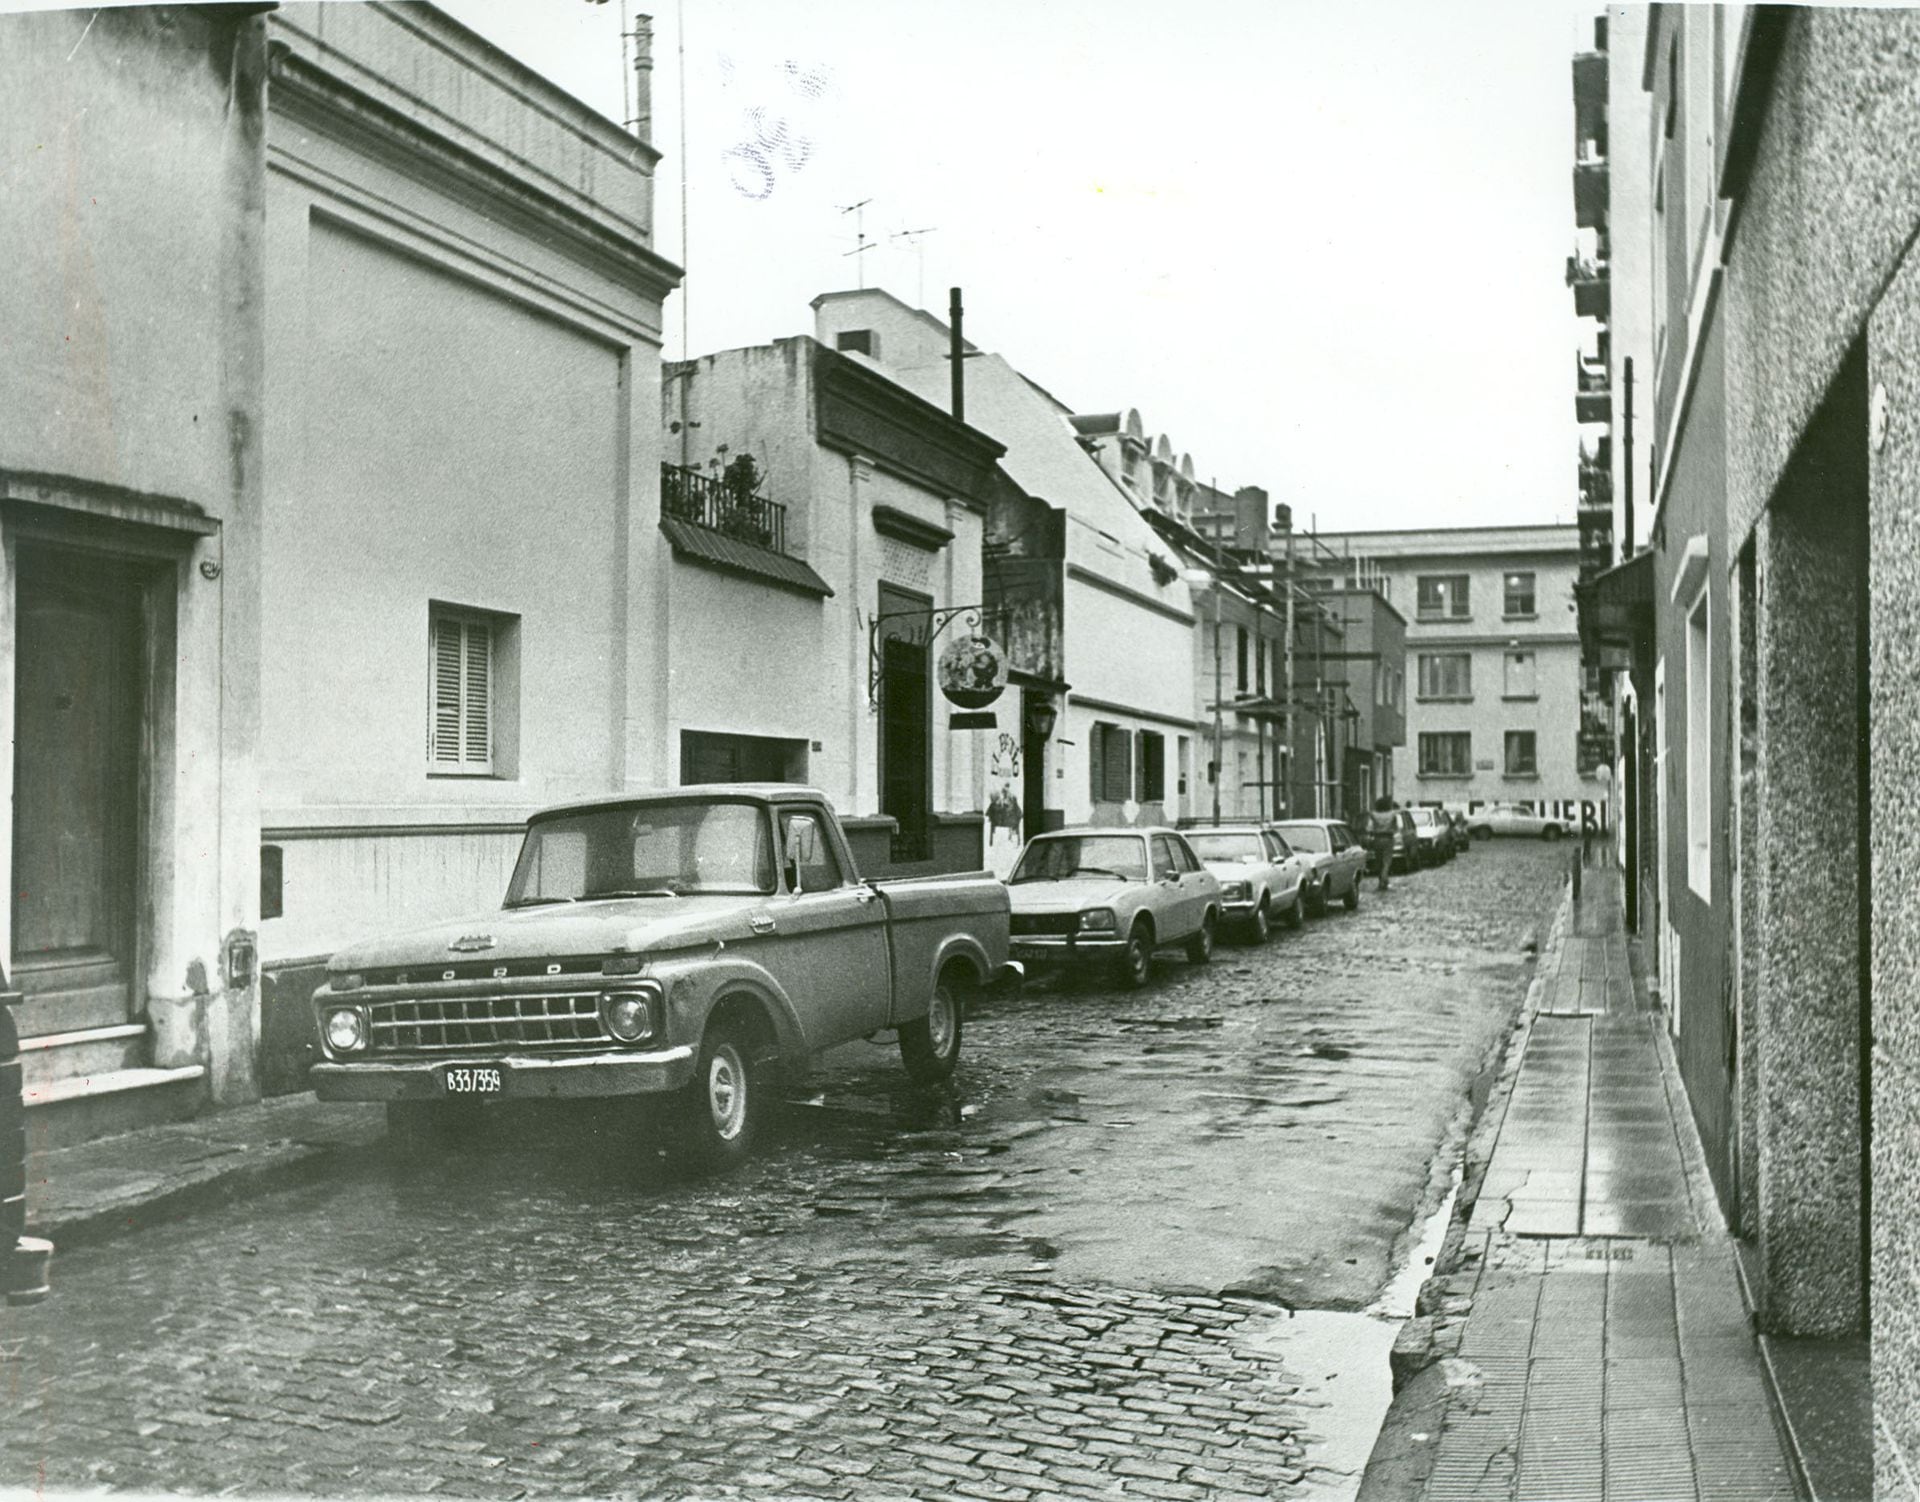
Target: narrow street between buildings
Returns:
[[1130, 1250]]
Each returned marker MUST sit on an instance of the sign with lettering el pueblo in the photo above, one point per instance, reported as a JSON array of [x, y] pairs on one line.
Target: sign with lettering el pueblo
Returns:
[[973, 671]]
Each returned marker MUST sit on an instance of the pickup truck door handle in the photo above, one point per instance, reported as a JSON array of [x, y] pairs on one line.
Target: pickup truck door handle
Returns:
[[761, 923], [865, 894]]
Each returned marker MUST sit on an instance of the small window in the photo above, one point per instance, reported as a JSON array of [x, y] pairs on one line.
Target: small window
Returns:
[[1522, 681], [1446, 675], [1165, 861], [1521, 758], [1519, 595], [1446, 753], [460, 708], [822, 872], [272, 883], [858, 341], [1240, 661], [1443, 595]]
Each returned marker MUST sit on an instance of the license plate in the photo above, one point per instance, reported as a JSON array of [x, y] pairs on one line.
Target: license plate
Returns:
[[463, 1079], [1029, 952]]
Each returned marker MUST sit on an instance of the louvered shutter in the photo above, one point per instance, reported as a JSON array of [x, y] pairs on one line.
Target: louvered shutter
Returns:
[[460, 728], [1119, 765], [1097, 762]]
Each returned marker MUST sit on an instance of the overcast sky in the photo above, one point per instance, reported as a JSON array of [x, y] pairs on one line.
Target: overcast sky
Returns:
[[1320, 246]]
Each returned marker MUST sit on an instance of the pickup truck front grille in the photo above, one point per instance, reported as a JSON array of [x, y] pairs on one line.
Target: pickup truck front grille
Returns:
[[484, 1022], [1044, 923]]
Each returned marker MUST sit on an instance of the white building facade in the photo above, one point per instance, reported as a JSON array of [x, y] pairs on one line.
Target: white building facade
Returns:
[[1493, 675]]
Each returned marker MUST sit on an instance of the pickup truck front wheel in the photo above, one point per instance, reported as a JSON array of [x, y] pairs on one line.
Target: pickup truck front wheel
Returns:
[[722, 1108], [930, 1045]]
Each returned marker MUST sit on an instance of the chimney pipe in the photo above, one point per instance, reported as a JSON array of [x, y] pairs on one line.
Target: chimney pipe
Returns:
[[642, 123], [954, 353]]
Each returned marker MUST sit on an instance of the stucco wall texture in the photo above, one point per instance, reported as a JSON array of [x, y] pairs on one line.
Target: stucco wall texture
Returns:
[[1893, 358]]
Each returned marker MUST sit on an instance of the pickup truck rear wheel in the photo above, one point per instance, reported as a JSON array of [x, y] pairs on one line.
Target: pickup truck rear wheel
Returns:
[[930, 1045], [722, 1108]]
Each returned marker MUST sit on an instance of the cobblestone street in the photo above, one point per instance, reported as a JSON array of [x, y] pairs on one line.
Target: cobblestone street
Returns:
[[1072, 1273]]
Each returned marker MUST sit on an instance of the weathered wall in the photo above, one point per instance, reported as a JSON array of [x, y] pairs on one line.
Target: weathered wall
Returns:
[[1698, 998], [1893, 363]]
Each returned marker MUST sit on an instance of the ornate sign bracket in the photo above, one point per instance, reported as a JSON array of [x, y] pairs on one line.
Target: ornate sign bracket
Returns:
[[936, 622]]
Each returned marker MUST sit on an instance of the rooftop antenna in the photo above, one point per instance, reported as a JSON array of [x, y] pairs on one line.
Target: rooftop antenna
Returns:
[[860, 246], [916, 238]]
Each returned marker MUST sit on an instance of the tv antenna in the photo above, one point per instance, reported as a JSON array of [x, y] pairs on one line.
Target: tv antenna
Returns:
[[860, 245], [916, 238]]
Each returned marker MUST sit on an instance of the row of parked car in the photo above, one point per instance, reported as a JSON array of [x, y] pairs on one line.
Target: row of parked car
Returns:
[[1109, 898]]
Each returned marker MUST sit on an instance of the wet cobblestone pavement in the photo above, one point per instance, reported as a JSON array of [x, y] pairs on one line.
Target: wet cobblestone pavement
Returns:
[[1069, 1274]]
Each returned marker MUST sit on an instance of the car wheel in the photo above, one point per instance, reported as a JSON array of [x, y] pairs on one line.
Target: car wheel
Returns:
[[1550, 833], [1200, 946], [721, 1108], [1483, 834], [1295, 915], [1317, 899], [1136, 960], [930, 1045], [1352, 898], [1260, 926]]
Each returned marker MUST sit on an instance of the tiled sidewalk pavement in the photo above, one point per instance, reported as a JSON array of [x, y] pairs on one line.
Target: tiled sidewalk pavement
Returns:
[[1607, 1353]]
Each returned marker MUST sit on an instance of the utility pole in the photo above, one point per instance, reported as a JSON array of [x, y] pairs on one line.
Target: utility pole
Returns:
[[1218, 770], [1283, 518], [1626, 467]]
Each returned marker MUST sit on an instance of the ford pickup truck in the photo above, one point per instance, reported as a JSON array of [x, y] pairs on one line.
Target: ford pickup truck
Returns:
[[679, 943]]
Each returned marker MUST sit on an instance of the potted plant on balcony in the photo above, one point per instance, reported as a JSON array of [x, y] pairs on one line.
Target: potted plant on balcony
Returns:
[[742, 513]]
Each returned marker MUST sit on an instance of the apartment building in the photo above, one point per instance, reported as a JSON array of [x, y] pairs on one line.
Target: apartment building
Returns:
[[1494, 678]]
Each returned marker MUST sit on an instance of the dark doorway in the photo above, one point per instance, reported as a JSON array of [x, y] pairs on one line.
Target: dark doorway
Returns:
[[906, 722], [1033, 769], [78, 698]]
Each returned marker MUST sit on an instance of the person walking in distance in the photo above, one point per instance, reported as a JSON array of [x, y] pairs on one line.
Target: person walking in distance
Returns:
[[1380, 831]]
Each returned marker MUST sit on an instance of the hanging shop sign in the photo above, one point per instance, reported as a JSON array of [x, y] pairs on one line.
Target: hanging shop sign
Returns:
[[973, 670]]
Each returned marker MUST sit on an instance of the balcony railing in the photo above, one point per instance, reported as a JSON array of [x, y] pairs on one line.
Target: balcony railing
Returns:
[[723, 504], [1592, 289]]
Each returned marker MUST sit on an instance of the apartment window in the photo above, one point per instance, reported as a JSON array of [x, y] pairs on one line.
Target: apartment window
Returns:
[[1446, 753], [1260, 667], [1522, 754], [1699, 751], [1446, 675], [1442, 595], [1240, 661], [1522, 676], [859, 341], [1519, 596], [1110, 761], [1151, 783], [471, 694], [272, 882]]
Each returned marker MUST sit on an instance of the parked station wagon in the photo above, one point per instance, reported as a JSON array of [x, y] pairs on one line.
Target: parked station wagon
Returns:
[[1110, 897]]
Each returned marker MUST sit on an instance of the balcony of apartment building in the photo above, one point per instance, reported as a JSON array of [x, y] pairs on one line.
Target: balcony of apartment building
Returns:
[[721, 519], [1590, 278], [1596, 477], [1590, 179], [1593, 393]]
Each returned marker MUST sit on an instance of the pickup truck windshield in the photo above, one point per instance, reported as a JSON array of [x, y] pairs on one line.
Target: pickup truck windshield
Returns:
[[655, 850], [1062, 857]]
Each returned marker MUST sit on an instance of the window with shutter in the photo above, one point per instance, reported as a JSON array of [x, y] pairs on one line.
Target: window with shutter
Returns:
[[460, 725], [1119, 764], [1097, 761]]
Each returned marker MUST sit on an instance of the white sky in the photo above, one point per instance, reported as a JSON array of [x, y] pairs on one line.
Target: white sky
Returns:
[[1320, 246]]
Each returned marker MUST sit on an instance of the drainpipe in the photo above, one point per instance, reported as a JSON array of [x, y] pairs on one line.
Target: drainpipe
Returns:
[[955, 344]]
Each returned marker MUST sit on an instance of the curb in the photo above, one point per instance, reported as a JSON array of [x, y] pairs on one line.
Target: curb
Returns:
[[1403, 1452]]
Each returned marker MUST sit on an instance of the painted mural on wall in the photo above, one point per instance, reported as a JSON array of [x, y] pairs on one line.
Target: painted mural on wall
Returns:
[[1004, 814]]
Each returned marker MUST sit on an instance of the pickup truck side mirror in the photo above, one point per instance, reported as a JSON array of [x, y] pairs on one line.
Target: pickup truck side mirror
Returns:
[[803, 837]]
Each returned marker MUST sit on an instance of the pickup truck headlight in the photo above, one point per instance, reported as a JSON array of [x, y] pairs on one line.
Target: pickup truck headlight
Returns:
[[1097, 920], [346, 1030], [1235, 891], [628, 1013]]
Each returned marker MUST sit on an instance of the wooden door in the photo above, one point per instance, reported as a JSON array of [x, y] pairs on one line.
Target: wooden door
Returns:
[[77, 709]]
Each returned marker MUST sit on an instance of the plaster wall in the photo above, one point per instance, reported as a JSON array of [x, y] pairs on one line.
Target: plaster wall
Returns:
[[1699, 997], [132, 309], [1629, 212], [1893, 362]]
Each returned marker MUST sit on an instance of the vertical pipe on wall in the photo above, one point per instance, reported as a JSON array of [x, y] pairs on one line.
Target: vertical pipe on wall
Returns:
[[955, 347]]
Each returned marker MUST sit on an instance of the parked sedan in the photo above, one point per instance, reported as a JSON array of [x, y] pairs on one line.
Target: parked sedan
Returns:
[[1518, 819], [1435, 836], [1111, 897], [1339, 860], [1260, 876]]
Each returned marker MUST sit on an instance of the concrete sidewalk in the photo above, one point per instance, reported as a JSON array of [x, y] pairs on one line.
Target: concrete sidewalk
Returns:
[[1584, 1335], [97, 1189]]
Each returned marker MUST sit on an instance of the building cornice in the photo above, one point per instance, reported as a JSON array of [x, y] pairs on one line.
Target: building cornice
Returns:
[[859, 411], [301, 89], [1132, 596]]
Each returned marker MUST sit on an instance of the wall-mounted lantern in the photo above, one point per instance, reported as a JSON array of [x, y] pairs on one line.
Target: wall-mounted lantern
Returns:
[[1041, 717]]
